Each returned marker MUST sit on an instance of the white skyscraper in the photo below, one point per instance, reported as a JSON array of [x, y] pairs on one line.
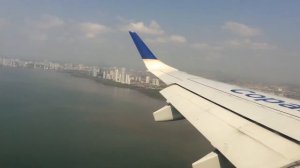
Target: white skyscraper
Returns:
[[122, 78], [95, 71], [104, 75], [127, 79], [155, 82], [116, 75], [147, 79]]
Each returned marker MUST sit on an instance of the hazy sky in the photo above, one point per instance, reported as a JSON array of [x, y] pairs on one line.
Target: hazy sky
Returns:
[[255, 39]]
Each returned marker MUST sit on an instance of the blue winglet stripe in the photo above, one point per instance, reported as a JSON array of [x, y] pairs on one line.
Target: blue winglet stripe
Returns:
[[141, 46]]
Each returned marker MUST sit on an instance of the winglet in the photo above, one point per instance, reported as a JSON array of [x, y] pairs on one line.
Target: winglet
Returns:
[[154, 65], [141, 46]]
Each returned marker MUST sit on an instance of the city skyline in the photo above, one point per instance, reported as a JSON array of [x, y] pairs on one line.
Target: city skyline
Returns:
[[137, 78], [121, 75]]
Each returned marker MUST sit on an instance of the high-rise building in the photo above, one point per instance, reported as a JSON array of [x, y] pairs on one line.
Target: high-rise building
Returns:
[[122, 78], [116, 75], [156, 82], [95, 72], [104, 75], [147, 79], [127, 79]]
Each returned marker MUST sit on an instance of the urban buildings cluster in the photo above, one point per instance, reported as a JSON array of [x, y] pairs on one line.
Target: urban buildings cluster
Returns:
[[122, 76], [119, 75]]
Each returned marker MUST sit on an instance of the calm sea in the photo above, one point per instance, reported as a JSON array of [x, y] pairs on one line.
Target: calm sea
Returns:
[[53, 120]]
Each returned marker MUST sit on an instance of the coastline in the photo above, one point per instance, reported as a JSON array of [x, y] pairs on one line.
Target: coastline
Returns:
[[153, 93]]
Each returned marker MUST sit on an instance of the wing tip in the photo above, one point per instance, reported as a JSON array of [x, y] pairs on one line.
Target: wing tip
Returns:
[[144, 51]]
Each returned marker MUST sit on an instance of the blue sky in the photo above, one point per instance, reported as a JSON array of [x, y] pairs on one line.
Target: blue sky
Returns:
[[256, 40]]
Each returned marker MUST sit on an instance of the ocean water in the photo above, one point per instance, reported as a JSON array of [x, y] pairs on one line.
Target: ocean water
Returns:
[[51, 119]]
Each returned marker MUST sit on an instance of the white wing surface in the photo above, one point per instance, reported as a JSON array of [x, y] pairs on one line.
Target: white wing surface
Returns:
[[250, 128]]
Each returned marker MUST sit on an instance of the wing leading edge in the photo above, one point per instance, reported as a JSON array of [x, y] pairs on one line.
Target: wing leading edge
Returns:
[[251, 129]]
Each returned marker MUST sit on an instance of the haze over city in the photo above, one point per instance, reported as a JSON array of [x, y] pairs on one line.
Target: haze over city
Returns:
[[247, 40]]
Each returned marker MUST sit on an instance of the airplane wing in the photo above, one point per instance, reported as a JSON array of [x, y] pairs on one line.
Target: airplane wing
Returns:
[[251, 129]]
